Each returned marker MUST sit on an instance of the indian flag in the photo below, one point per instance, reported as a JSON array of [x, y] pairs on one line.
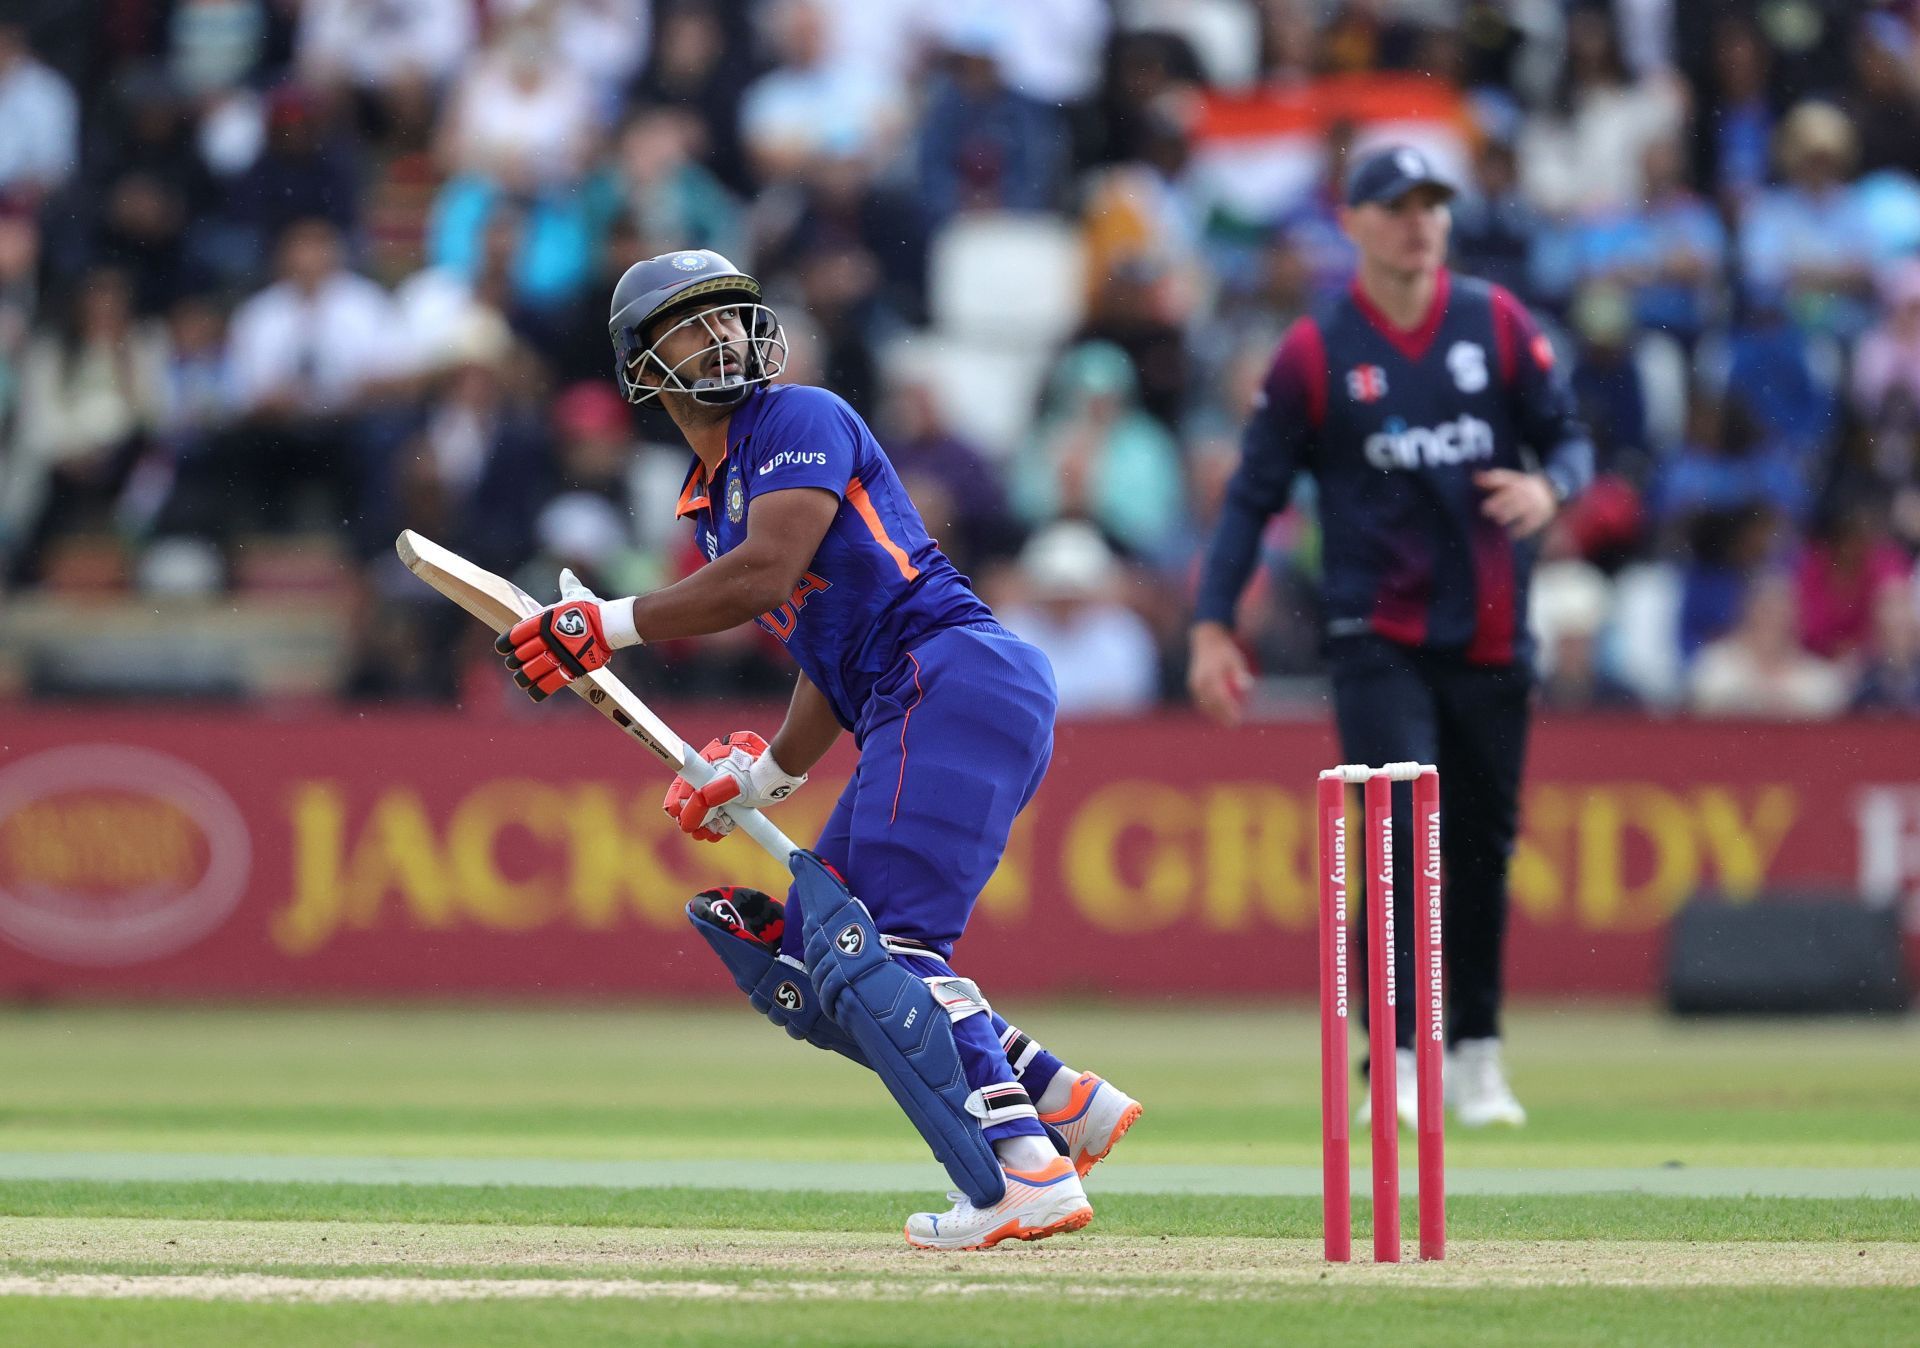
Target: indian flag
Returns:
[[1261, 154]]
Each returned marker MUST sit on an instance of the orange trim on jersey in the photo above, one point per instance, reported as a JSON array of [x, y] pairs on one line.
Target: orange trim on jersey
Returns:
[[900, 785], [694, 495], [863, 506]]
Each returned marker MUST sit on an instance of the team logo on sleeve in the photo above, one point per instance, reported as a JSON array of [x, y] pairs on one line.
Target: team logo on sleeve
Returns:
[[736, 500], [1366, 383], [1467, 361]]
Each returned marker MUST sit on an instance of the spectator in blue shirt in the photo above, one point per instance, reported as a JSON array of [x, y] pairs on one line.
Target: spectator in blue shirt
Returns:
[[39, 119], [1494, 226], [1740, 122], [1772, 362], [983, 146], [1732, 463], [1809, 244], [307, 170], [811, 106], [1606, 381], [1668, 254]]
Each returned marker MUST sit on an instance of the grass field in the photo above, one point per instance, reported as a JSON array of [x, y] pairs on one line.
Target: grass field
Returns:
[[471, 1177]]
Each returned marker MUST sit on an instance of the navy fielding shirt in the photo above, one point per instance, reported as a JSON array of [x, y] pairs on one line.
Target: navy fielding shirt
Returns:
[[1393, 425]]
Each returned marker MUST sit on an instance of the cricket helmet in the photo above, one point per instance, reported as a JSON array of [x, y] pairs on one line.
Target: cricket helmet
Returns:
[[660, 295]]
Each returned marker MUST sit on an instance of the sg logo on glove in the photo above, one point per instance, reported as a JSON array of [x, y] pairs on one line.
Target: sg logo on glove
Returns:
[[555, 646]]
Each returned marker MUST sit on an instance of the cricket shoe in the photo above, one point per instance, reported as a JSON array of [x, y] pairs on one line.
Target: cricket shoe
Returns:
[[1037, 1204], [1477, 1086], [1097, 1115], [1406, 1093]]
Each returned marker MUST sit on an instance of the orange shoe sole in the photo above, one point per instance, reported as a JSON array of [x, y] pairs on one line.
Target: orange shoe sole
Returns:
[[1073, 1221], [1127, 1120]]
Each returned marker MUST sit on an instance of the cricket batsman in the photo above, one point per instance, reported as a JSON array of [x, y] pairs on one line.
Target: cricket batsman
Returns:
[[1442, 439], [807, 531]]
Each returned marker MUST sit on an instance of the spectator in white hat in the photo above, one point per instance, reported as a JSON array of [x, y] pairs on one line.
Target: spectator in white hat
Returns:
[[1103, 654]]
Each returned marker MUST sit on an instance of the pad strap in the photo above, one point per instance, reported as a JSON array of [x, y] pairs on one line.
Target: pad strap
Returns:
[[959, 997], [1002, 1102], [1019, 1048]]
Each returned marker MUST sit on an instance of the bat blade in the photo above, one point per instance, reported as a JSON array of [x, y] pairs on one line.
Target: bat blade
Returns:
[[494, 600]]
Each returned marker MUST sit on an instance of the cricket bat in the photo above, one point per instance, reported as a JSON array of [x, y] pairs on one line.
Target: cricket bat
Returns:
[[499, 603]]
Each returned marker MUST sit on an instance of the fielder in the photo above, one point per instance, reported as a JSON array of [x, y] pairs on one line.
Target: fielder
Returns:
[[1442, 440], [807, 531]]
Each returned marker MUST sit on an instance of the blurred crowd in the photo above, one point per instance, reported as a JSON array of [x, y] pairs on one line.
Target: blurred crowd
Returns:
[[279, 277]]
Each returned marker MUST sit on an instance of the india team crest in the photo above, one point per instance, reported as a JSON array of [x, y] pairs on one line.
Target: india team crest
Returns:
[[1366, 383], [688, 262], [1468, 363], [736, 500]]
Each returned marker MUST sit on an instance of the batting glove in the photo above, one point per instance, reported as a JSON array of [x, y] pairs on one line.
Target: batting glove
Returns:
[[555, 646], [744, 775]]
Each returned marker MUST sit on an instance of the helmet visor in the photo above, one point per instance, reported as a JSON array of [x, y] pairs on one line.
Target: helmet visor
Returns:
[[739, 345]]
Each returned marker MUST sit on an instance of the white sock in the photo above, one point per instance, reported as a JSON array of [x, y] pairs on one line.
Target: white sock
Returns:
[[1025, 1154], [1058, 1091]]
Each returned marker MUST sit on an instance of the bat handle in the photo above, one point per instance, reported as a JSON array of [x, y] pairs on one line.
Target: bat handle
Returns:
[[755, 825]]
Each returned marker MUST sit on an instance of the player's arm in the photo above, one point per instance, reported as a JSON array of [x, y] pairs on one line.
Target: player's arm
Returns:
[[1545, 414], [784, 530], [1276, 442], [750, 771], [563, 641]]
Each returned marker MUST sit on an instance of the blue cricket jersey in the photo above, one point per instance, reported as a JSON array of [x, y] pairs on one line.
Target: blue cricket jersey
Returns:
[[1393, 425], [878, 586]]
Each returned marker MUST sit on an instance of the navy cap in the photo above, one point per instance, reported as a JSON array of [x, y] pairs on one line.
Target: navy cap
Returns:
[[1387, 175]]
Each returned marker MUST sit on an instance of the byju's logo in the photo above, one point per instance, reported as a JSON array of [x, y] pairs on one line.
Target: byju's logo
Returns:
[[795, 457]]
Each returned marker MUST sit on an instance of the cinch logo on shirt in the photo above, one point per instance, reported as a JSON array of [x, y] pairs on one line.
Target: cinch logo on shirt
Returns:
[[1402, 446], [798, 457]]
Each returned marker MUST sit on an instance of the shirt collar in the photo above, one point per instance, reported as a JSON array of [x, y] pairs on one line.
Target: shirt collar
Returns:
[[1411, 342], [694, 494]]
